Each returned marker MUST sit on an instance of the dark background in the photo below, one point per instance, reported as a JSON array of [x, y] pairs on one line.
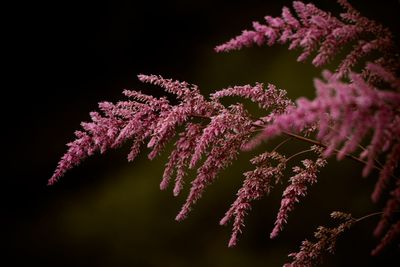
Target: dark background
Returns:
[[63, 57]]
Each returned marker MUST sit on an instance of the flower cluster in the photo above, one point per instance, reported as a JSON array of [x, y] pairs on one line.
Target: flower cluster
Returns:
[[310, 253], [315, 29], [388, 228], [355, 114], [296, 189], [258, 183], [345, 113], [219, 137], [350, 109]]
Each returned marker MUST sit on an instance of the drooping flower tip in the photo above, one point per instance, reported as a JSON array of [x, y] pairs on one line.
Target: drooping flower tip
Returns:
[[232, 242], [164, 184], [391, 236], [246, 39], [147, 78], [274, 233], [177, 189], [181, 215], [224, 220], [52, 180]]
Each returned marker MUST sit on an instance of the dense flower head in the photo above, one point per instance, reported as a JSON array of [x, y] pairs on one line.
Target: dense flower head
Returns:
[[269, 170], [298, 188], [315, 29], [271, 97], [312, 253], [348, 107], [218, 138], [346, 113], [226, 132], [180, 156]]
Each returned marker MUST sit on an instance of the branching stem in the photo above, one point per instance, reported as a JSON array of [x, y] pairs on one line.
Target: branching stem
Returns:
[[299, 153], [282, 143], [314, 142], [369, 215], [372, 214]]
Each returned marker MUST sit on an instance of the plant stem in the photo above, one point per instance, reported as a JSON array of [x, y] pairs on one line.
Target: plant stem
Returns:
[[362, 147], [369, 215], [314, 142], [298, 153], [373, 214], [282, 143]]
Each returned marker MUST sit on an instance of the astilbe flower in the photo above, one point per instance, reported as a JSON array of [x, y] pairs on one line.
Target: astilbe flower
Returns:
[[227, 131], [297, 188], [121, 122], [388, 226], [392, 234], [345, 111], [270, 98], [178, 160], [314, 29], [193, 103], [258, 183], [145, 117], [350, 109], [310, 253]]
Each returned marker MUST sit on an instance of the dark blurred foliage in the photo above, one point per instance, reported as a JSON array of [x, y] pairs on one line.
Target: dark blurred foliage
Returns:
[[62, 57]]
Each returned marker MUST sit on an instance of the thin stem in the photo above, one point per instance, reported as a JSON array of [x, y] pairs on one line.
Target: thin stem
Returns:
[[360, 146], [282, 143], [372, 214], [314, 142], [298, 153], [305, 139], [369, 215]]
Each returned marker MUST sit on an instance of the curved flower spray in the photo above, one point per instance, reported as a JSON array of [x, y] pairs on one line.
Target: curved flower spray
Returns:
[[350, 108]]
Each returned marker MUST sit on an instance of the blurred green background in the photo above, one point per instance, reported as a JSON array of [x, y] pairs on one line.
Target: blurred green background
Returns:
[[69, 55]]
